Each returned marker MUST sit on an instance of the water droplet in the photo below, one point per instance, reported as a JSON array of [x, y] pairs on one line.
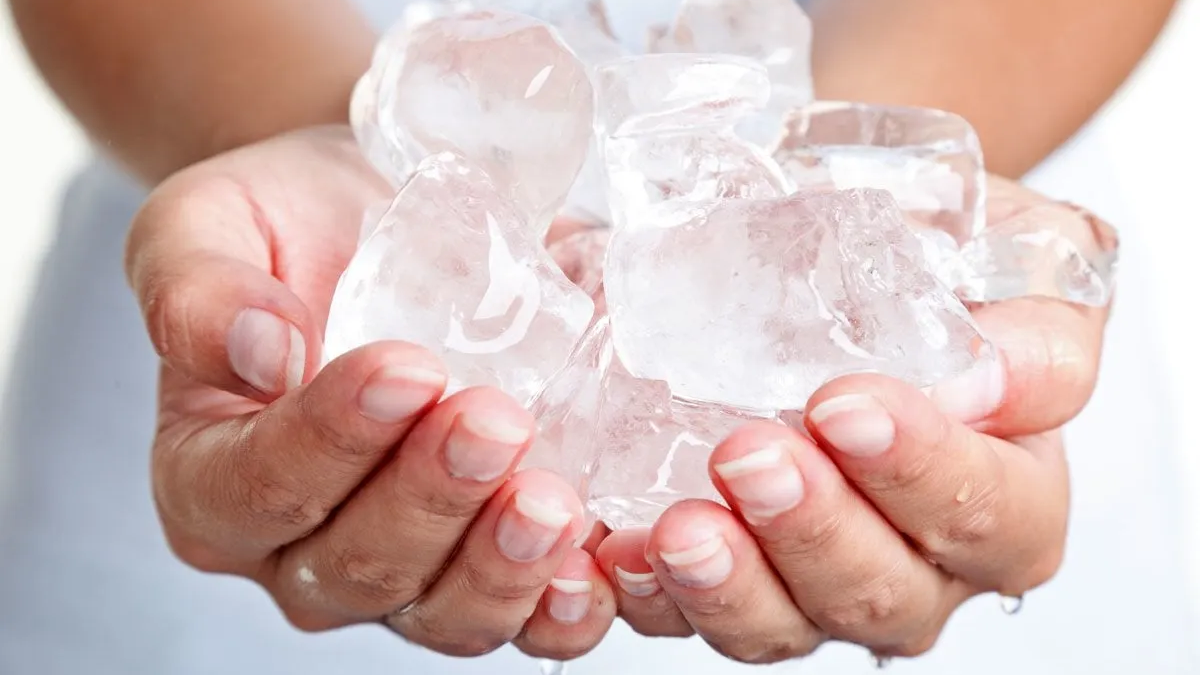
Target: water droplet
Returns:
[[551, 667], [1011, 604], [881, 662], [964, 493]]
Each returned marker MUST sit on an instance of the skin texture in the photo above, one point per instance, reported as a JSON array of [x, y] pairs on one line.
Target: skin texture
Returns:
[[350, 494], [266, 468]]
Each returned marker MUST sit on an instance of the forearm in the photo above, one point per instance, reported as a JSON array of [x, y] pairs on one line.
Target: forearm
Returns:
[[165, 83], [1026, 73]]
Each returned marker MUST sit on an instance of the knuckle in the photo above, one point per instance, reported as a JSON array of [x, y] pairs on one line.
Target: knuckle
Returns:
[[167, 299], [498, 590], [441, 510], [329, 436], [976, 522], [196, 554], [877, 605], [1044, 568], [764, 651], [655, 627], [473, 647], [365, 575], [432, 632], [658, 616], [819, 534], [712, 609], [918, 646], [167, 304], [157, 207], [307, 621], [917, 471], [558, 647], [267, 499]]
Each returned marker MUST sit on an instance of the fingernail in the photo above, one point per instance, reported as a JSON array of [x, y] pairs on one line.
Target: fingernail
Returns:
[[266, 351], [973, 394], [570, 600], [765, 483], [528, 528], [395, 393], [482, 445], [855, 424], [637, 584], [704, 565]]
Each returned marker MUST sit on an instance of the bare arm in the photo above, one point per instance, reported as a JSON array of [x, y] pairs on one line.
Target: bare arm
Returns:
[[165, 83], [1026, 73]]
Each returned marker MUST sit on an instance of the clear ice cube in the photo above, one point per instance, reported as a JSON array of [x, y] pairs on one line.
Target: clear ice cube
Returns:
[[496, 87], [455, 267], [775, 33], [629, 447], [1051, 250], [930, 160], [666, 125], [757, 303]]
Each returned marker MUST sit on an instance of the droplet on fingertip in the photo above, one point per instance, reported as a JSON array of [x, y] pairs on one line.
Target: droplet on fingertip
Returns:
[[1011, 604]]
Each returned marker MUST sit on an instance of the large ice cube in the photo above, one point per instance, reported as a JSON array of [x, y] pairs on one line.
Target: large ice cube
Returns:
[[496, 87], [757, 303], [568, 412], [776, 33], [1051, 249], [930, 160], [455, 267], [666, 125]]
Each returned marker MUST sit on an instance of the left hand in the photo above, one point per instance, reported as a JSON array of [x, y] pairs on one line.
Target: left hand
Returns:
[[906, 504]]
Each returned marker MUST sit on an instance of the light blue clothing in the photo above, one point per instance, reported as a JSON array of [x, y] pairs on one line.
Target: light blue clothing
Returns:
[[88, 586]]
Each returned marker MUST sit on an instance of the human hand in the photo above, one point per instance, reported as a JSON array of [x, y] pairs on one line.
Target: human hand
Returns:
[[350, 494], [900, 507]]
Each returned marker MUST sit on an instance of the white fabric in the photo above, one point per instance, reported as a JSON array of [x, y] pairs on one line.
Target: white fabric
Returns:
[[87, 585]]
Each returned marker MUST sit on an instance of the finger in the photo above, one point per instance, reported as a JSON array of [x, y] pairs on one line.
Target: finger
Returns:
[[575, 613], [492, 586], [1051, 352], [846, 568], [641, 601], [985, 510], [387, 544], [231, 493], [719, 578], [200, 262]]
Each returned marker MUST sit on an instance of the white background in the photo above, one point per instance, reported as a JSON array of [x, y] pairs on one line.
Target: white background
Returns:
[[1150, 133]]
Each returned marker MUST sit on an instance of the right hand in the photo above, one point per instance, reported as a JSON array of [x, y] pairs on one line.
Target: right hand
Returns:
[[350, 494]]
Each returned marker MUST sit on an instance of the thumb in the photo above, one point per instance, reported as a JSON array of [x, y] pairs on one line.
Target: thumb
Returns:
[[200, 262]]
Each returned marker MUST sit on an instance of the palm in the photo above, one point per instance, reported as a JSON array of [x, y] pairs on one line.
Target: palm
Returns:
[[308, 193]]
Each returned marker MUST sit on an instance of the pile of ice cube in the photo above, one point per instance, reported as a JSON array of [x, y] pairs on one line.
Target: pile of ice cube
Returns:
[[735, 244]]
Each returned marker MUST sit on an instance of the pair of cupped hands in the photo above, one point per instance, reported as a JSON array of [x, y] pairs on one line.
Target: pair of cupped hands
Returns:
[[356, 495]]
